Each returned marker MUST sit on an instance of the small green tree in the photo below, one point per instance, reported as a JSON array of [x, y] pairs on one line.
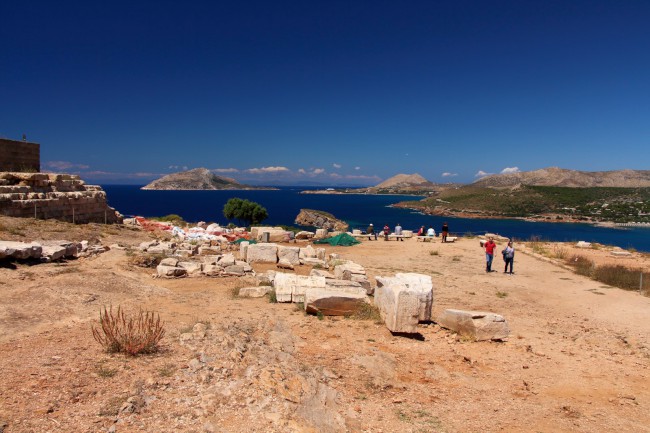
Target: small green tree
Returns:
[[245, 210]]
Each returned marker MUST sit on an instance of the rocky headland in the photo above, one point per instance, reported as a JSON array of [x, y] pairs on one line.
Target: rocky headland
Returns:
[[320, 219]]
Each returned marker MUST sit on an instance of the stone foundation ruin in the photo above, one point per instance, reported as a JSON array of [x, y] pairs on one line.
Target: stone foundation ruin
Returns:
[[63, 197]]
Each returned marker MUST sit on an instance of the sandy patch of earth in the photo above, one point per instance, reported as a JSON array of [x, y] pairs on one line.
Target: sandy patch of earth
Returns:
[[577, 359]]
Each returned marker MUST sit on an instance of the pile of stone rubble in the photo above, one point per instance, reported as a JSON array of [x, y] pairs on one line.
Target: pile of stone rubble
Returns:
[[47, 251]]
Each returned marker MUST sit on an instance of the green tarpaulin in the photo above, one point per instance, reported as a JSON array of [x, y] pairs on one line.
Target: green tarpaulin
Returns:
[[343, 239], [240, 240]]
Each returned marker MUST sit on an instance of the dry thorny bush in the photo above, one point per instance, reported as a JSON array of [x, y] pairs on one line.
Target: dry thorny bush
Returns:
[[132, 335]]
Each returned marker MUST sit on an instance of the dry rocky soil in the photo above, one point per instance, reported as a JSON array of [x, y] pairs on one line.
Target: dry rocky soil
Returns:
[[576, 361]]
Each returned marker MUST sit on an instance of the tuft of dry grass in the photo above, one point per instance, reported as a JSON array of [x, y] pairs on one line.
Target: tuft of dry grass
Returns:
[[132, 335], [612, 275], [367, 311]]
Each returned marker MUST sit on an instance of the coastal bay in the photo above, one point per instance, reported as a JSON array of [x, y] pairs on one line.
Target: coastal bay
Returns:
[[358, 211]]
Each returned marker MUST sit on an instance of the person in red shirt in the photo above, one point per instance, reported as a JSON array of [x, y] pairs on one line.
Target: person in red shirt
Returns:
[[489, 254]]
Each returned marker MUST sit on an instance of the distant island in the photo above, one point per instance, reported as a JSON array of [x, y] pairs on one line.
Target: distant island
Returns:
[[199, 179]]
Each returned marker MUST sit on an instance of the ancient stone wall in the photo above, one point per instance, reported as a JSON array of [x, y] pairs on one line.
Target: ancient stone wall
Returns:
[[63, 197], [19, 156]]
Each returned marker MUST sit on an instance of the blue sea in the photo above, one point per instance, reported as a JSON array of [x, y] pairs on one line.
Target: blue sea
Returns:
[[284, 205]]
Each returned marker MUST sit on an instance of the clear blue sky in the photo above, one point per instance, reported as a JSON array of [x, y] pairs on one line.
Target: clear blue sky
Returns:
[[333, 92]]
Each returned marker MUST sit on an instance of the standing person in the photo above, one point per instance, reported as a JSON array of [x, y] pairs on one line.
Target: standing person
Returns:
[[398, 231], [371, 232], [445, 232], [508, 257], [386, 231], [489, 254]]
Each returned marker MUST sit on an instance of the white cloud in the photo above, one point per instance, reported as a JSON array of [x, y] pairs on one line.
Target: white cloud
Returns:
[[178, 167], [224, 170], [263, 170], [335, 165], [447, 174], [318, 171], [510, 170], [357, 168], [66, 165], [302, 171], [482, 173]]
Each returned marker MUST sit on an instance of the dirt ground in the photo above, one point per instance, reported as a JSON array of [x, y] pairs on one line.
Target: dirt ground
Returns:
[[577, 359]]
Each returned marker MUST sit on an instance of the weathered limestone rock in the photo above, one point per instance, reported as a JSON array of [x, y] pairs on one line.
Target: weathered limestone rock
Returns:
[[170, 271], [52, 253], [321, 273], [291, 288], [321, 233], [192, 268], [349, 270], [477, 325], [399, 307], [307, 252], [334, 300], [256, 231], [254, 292], [279, 236], [20, 250], [209, 250], [212, 269], [243, 250], [583, 244], [313, 262], [284, 264], [304, 235], [290, 255], [419, 283], [234, 270], [226, 260], [244, 265], [262, 253], [169, 261]]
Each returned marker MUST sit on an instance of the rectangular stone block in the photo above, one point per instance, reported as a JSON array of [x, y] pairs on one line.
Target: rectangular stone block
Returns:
[[399, 307], [339, 301], [290, 255], [262, 253], [477, 325], [292, 288]]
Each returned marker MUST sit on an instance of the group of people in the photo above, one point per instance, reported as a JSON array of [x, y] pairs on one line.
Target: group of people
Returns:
[[430, 232], [508, 252], [508, 255], [386, 231]]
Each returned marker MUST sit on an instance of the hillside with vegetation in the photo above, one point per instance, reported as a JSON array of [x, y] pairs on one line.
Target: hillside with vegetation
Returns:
[[619, 205]]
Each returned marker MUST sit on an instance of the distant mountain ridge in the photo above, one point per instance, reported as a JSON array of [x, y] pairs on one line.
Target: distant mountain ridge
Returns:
[[197, 179], [555, 176], [405, 181]]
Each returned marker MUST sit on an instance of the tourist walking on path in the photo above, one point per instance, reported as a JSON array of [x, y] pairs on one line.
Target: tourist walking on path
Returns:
[[489, 254], [444, 231], [371, 232], [508, 257], [398, 231], [386, 231]]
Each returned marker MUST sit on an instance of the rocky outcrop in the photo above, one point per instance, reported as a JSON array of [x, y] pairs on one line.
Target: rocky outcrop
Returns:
[[197, 179], [64, 197], [320, 219]]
